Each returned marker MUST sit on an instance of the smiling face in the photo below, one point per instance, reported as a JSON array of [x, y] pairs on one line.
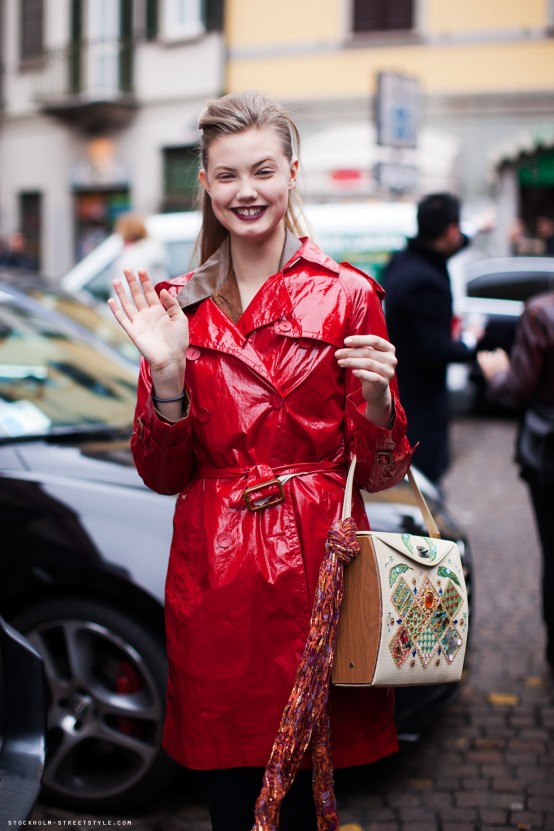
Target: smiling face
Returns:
[[248, 178]]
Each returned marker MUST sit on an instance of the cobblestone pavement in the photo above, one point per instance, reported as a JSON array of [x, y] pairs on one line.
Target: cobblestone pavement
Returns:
[[487, 762]]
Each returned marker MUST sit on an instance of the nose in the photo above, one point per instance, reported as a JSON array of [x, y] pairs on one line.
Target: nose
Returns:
[[247, 190]]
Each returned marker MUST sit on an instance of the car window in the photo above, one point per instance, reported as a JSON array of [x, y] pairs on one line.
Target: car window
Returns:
[[100, 286], [509, 286], [180, 255], [51, 379], [102, 326]]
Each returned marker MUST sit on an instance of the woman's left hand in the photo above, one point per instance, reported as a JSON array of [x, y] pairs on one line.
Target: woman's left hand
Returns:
[[372, 359]]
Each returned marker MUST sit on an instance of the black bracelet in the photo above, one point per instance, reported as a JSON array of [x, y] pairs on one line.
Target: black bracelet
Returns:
[[168, 400]]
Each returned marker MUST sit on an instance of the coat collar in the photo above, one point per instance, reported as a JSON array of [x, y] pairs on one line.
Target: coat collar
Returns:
[[211, 275]]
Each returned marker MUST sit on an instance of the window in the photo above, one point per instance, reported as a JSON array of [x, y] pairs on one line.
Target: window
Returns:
[[510, 286], [183, 19], [181, 167], [30, 223], [383, 16], [31, 29]]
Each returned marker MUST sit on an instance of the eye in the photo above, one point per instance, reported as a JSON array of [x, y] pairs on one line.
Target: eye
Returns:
[[265, 171], [222, 177]]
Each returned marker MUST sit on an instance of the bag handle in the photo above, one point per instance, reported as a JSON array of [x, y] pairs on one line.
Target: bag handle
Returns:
[[430, 523]]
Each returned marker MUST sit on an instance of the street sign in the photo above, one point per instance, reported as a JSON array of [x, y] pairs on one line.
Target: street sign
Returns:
[[397, 110], [396, 177]]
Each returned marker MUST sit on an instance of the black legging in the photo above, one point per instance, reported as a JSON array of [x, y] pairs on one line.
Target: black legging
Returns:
[[232, 794]]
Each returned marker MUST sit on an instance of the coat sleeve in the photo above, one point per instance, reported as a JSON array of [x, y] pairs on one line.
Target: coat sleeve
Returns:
[[162, 450], [383, 455], [428, 310], [519, 384]]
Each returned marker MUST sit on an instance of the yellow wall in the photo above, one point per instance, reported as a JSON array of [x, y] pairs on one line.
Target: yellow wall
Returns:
[[301, 48], [263, 22], [483, 15], [476, 68]]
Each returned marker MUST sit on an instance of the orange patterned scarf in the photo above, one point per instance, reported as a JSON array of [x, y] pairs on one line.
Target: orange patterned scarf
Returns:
[[306, 715]]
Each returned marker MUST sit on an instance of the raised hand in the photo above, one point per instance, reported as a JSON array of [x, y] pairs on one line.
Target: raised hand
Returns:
[[372, 360], [159, 329], [156, 325]]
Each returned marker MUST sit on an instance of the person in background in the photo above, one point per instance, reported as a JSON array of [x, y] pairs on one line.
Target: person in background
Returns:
[[418, 309], [527, 378], [15, 254], [263, 372], [545, 232], [140, 251]]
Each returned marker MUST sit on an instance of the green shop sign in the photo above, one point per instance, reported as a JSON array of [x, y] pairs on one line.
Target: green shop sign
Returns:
[[538, 172]]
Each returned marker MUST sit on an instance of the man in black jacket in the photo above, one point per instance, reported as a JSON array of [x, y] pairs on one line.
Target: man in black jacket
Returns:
[[418, 309]]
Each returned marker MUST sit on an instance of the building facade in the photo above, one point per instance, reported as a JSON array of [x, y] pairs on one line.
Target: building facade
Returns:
[[484, 71], [99, 101], [99, 106]]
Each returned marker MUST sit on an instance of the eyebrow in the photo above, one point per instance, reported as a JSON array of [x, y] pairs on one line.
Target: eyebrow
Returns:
[[267, 160]]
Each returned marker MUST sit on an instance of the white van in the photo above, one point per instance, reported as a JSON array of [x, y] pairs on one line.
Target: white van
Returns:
[[365, 234]]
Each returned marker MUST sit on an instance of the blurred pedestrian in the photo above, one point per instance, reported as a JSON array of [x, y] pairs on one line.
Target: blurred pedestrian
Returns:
[[140, 250], [418, 309], [263, 372], [545, 232], [527, 378], [16, 255], [522, 242]]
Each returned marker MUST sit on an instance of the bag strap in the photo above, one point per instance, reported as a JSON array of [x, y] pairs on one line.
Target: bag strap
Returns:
[[430, 523]]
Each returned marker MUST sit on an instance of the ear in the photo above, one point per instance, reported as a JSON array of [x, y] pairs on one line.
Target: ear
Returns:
[[203, 179], [293, 174]]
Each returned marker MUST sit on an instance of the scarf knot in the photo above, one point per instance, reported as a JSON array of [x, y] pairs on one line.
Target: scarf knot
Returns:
[[342, 541]]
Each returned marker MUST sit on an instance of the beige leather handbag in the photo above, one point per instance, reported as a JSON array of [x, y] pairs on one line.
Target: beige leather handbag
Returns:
[[404, 618]]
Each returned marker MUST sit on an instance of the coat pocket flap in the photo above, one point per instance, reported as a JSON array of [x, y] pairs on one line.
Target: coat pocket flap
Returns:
[[422, 550]]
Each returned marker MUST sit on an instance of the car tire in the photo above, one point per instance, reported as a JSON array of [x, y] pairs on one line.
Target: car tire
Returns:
[[106, 676]]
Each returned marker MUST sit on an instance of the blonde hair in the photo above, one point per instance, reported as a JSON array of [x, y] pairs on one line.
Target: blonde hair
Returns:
[[131, 227], [236, 113]]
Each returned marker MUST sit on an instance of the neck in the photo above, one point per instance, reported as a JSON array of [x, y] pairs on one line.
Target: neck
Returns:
[[256, 260]]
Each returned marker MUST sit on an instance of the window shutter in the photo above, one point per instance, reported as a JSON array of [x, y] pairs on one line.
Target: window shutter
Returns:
[[152, 27], [126, 46], [75, 74], [379, 16], [31, 28], [214, 15]]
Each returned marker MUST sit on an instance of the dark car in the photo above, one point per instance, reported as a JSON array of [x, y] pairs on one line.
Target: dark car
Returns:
[[22, 726], [85, 554], [496, 290]]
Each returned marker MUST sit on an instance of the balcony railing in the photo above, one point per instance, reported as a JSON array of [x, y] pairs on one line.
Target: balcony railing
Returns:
[[100, 70]]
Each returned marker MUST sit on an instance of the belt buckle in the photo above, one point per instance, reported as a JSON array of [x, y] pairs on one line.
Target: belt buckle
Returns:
[[268, 501]]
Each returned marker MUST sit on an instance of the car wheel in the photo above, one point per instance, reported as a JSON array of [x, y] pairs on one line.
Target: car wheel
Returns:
[[106, 675]]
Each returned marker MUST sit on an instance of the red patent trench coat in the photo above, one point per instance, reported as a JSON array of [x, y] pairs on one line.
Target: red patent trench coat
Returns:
[[267, 398]]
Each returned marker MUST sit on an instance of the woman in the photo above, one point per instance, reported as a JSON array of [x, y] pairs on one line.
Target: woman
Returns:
[[527, 378], [263, 371]]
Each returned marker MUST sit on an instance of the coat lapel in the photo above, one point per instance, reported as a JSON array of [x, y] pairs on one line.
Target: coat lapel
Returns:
[[211, 328]]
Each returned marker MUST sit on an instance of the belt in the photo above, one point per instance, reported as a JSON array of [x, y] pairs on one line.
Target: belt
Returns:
[[264, 485]]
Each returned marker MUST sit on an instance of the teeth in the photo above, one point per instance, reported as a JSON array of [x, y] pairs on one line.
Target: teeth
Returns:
[[248, 211]]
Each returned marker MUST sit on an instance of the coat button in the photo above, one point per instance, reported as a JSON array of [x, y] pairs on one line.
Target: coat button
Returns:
[[283, 326], [202, 414], [224, 540], [276, 401], [193, 353]]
